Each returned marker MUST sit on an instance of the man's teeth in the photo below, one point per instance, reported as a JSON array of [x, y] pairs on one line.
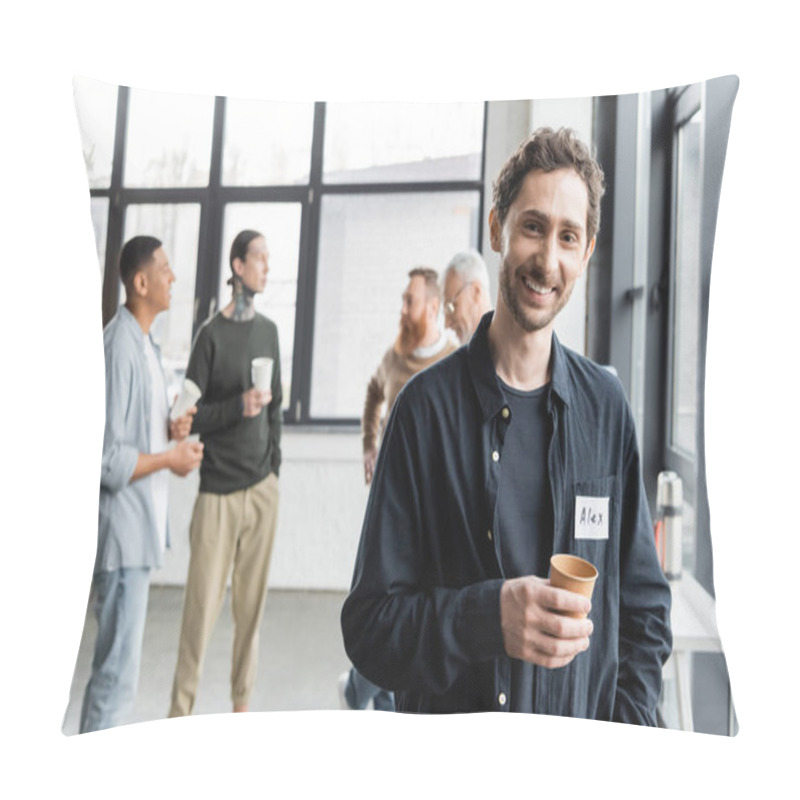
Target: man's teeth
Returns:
[[535, 287]]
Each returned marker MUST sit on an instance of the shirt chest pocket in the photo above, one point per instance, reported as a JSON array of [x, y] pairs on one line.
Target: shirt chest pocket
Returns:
[[592, 514]]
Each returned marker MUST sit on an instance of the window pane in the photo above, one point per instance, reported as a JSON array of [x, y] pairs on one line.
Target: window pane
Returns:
[[177, 226], [685, 366], [280, 224], [266, 144], [384, 142], [688, 538], [169, 139], [368, 244], [99, 210], [96, 107]]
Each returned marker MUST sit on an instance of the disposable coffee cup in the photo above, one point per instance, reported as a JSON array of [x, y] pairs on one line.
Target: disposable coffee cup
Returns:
[[190, 394], [262, 373], [573, 574]]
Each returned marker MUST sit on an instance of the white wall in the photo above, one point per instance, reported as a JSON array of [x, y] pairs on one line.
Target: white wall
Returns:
[[323, 497]]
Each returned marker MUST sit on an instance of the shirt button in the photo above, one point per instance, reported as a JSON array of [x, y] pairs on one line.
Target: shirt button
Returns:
[[506, 413], [501, 698], [495, 455], [489, 534]]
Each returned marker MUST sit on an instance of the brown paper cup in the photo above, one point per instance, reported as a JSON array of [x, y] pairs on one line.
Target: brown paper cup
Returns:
[[573, 574]]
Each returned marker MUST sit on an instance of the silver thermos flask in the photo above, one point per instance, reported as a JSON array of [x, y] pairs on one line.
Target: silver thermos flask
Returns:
[[669, 502]]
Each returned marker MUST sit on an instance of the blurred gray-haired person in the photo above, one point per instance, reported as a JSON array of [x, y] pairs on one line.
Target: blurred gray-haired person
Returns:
[[466, 293]]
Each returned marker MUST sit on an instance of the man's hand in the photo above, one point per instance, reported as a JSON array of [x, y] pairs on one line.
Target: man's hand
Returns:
[[185, 457], [180, 428], [370, 457], [533, 630], [254, 400]]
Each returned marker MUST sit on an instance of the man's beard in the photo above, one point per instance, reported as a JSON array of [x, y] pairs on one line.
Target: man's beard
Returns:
[[522, 317], [411, 335]]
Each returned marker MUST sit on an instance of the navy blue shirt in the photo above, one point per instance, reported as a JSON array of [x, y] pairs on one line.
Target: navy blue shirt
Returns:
[[423, 614], [524, 528], [524, 504]]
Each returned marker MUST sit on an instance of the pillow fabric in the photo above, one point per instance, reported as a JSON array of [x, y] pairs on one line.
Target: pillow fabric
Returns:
[[349, 197]]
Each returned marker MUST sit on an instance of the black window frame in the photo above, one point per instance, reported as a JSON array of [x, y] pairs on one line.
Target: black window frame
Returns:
[[213, 199], [684, 102]]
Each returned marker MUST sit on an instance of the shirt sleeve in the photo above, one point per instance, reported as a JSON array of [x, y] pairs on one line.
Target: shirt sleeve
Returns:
[[645, 637], [371, 419], [119, 454], [214, 416], [402, 629]]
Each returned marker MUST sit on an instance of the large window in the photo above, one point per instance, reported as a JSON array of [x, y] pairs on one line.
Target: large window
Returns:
[[99, 211], [267, 144], [168, 140], [697, 123], [428, 142], [349, 196], [686, 275], [368, 243], [96, 104], [687, 312]]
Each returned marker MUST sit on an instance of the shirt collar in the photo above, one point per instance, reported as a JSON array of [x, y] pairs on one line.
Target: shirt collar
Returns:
[[432, 349], [130, 320], [484, 377], [559, 375], [132, 324]]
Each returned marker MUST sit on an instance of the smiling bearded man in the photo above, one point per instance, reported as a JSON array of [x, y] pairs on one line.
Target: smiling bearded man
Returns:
[[539, 286], [489, 461]]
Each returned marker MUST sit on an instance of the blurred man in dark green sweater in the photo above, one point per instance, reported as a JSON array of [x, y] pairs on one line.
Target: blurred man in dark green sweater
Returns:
[[235, 514]]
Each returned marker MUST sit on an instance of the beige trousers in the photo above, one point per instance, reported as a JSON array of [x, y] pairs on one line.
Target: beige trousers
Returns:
[[227, 530]]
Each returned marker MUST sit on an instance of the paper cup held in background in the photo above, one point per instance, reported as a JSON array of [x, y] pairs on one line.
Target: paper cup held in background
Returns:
[[190, 394], [573, 574], [262, 373]]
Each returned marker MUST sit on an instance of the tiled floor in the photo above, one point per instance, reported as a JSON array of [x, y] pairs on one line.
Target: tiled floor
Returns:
[[301, 656]]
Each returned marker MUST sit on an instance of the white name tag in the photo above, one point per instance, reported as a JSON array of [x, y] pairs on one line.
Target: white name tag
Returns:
[[591, 517]]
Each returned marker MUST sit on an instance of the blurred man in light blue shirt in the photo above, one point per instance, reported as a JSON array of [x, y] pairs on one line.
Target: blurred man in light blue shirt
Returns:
[[132, 531]]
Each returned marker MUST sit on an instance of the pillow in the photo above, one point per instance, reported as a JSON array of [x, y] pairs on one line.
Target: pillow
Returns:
[[350, 197]]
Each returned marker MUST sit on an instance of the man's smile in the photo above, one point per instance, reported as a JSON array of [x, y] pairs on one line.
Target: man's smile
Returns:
[[536, 287]]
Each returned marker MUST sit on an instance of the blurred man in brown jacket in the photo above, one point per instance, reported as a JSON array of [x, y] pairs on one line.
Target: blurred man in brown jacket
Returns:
[[419, 344]]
